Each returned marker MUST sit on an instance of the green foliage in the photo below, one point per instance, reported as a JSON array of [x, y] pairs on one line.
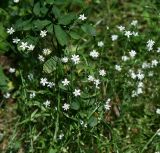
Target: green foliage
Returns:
[[4, 47], [61, 35], [51, 64], [81, 85], [3, 81]]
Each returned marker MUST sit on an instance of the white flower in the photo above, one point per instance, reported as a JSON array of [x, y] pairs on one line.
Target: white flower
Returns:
[[64, 59], [139, 91], [24, 45], [32, 95], [66, 106], [118, 67], [31, 47], [43, 33], [135, 33], [100, 44], [46, 51], [133, 75], [114, 37], [77, 92], [107, 105], [75, 59], [65, 82], [128, 34], [132, 53], [134, 22], [61, 136], [145, 65], [150, 74], [47, 103], [50, 84], [7, 95], [158, 50], [30, 76], [140, 85], [12, 70], [125, 58], [134, 93], [10, 30], [102, 72], [94, 54], [90, 78], [150, 44], [16, 1], [121, 28], [43, 81], [82, 17], [16, 40], [140, 76], [154, 63], [158, 111], [41, 58], [97, 82]]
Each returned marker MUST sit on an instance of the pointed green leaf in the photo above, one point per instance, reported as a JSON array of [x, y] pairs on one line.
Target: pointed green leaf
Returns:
[[36, 9], [89, 29], [50, 65], [3, 81], [74, 35], [61, 35], [66, 19]]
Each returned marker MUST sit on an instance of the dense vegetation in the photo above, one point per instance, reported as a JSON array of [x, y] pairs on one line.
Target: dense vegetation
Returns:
[[83, 74]]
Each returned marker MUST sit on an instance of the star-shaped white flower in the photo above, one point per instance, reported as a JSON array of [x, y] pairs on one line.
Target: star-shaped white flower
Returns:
[[114, 37], [43, 81], [41, 58], [125, 58], [65, 82], [90, 78], [121, 28], [82, 17], [64, 59], [132, 53], [75, 59], [31, 47], [12, 70], [47, 103], [46, 51], [77, 92], [118, 67], [10, 30], [66, 106], [24, 45], [128, 34], [100, 44], [97, 82], [43, 33], [102, 72], [134, 22], [15, 40], [94, 54]]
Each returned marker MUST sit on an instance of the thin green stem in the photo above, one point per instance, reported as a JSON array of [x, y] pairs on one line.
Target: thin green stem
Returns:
[[150, 140], [57, 120]]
